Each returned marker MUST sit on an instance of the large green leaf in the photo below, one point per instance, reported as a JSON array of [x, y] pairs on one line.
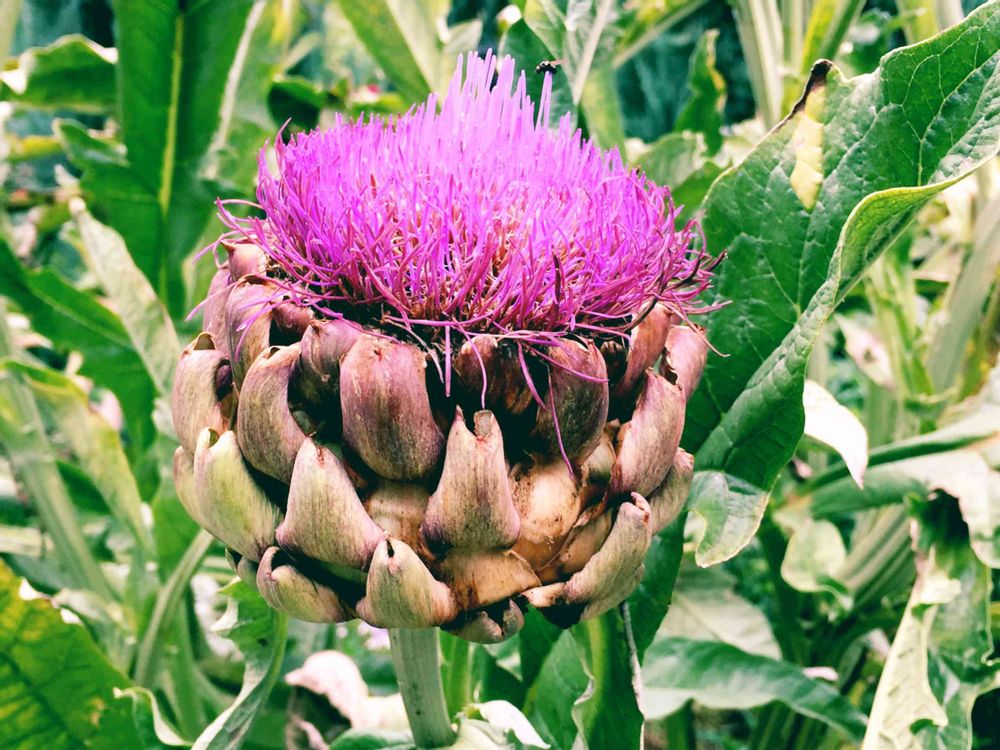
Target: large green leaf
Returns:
[[705, 607], [76, 321], [561, 681], [719, 675], [607, 652], [260, 634], [57, 690], [180, 73], [580, 34], [141, 312], [681, 162], [703, 111], [71, 73], [402, 36], [651, 599], [811, 208], [730, 510], [95, 443], [939, 661]]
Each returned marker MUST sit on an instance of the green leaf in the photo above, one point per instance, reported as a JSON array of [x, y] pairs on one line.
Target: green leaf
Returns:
[[580, 34], [962, 474], [245, 120], [835, 426], [646, 21], [703, 111], [705, 607], [144, 317], [537, 639], [358, 739], [607, 652], [652, 598], [401, 36], [939, 660], [94, 442], [33, 463], [260, 633], [561, 681], [71, 73], [522, 44], [76, 321], [180, 71], [814, 555], [718, 675], [731, 510], [506, 717], [829, 23], [153, 729], [56, 687], [811, 208], [681, 162]]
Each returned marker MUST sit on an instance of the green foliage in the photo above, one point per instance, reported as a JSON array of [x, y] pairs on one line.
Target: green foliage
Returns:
[[805, 545], [718, 675], [58, 688], [811, 208]]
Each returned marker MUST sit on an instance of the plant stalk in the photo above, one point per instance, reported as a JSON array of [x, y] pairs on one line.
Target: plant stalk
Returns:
[[23, 439], [168, 603], [416, 657]]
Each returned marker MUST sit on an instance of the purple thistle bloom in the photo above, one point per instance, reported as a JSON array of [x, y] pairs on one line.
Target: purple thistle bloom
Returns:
[[475, 218]]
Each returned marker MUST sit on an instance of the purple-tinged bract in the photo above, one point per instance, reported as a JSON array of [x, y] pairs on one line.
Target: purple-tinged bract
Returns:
[[475, 217]]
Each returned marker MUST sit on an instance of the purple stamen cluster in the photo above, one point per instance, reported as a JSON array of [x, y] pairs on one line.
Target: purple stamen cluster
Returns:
[[475, 217]]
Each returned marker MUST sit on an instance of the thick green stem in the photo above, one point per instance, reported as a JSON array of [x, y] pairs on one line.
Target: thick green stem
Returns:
[[416, 656]]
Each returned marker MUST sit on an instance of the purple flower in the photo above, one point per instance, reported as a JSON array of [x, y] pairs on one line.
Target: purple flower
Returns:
[[475, 217]]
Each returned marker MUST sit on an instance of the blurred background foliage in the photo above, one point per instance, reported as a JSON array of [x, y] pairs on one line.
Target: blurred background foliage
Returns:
[[853, 566]]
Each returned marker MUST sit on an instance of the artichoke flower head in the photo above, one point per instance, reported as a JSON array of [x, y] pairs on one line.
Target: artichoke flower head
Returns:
[[443, 373]]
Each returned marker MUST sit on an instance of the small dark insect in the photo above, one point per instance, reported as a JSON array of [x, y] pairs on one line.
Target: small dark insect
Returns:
[[547, 66]]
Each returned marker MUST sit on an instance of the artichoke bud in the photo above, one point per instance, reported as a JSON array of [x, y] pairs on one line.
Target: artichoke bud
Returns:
[[576, 408], [248, 321], [583, 540], [269, 434], [479, 579], [398, 508], [324, 343], [325, 519], [286, 588], [202, 394], [214, 310], [547, 500], [184, 483], [473, 507], [595, 471], [646, 342], [608, 577], [290, 320], [686, 354], [244, 567], [388, 420], [417, 404], [668, 500], [230, 504], [646, 444], [402, 593], [490, 625], [506, 390], [245, 259]]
